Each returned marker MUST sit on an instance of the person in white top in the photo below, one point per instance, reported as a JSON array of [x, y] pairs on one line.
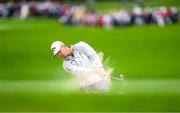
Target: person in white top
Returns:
[[84, 63]]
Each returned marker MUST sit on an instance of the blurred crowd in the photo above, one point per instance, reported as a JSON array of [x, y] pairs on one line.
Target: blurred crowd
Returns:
[[80, 15]]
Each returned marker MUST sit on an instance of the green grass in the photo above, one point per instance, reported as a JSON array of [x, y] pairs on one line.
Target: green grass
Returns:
[[116, 5], [80, 102], [143, 52], [31, 80]]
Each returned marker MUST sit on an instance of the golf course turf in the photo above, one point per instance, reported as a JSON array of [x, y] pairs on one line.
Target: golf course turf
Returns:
[[32, 80]]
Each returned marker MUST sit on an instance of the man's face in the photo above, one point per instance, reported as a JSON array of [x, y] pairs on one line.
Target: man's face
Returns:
[[64, 51]]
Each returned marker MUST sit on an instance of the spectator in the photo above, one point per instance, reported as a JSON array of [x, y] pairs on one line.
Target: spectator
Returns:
[[24, 11], [78, 15]]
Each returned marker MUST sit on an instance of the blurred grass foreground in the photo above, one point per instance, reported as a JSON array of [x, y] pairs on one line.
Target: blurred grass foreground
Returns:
[[32, 81]]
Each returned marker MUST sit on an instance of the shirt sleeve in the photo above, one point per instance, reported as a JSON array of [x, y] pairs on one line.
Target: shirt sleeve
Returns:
[[73, 69], [91, 53]]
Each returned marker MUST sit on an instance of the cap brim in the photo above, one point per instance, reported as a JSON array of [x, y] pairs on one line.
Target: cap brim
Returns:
[[54, 55]]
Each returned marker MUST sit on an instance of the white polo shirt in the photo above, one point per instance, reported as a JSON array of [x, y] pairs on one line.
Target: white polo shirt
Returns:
[[83, 64]]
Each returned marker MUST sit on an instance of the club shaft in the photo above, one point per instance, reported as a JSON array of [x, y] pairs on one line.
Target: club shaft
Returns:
[[116, 78]]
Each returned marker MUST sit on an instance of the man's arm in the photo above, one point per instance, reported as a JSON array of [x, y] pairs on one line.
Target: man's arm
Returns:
[[91, 53], [73, 69], [96, 61]]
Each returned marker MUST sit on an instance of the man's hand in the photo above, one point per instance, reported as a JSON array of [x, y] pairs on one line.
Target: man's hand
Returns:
[[101, 72]]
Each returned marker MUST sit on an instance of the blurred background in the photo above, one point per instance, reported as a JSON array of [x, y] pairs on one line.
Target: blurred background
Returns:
[[139, 39]]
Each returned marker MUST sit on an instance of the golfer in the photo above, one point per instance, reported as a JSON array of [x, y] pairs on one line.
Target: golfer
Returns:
[[84, 63]]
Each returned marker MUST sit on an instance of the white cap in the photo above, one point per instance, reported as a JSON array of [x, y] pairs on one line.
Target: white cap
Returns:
[[56, 46]]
